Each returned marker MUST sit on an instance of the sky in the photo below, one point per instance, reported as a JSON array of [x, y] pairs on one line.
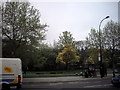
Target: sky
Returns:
[[77, 17]]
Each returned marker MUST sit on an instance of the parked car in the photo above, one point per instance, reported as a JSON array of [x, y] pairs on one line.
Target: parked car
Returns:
[[116, 80]]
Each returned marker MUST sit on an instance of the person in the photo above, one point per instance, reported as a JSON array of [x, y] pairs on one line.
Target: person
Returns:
[[101, 71], [93, 72], [90, 72], [105, 71], [86, 74], [113, 73]]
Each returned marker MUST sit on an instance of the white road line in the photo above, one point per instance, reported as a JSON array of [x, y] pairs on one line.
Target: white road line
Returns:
[[31, 85], [54, 84], [97, 85]]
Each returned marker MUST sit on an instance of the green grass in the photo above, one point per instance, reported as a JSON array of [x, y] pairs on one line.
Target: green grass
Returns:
[[50, 75], [55, 72], [62, 73], [31, 74]]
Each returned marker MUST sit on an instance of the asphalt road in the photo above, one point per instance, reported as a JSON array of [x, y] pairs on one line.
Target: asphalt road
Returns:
[[87, 83], [103, 83]]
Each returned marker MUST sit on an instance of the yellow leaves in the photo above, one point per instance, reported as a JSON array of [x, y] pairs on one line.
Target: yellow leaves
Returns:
[[93, 57], [68, 45], [67, 55], [77, 57], [58, 59], [90, 60]]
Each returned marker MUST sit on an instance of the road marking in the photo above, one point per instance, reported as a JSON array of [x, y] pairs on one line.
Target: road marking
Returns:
[[31, 85], [72, 82], [12, 87], [53, 84], [97, 86]]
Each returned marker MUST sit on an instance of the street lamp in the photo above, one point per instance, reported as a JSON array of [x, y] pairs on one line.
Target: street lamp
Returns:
[[100, 52], [100, 48]]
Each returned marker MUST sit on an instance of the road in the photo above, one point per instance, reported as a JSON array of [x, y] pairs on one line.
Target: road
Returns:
[[87, 83], [103, 83]]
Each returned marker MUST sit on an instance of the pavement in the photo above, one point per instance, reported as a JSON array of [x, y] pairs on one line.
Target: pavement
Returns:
[[61, 79]]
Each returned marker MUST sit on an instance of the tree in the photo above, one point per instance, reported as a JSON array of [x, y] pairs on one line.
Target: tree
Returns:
[[20, 27], [92, 39], [50, 54], [22, 33], [93, 44], [67, 56], [112, 35], [110, 41], [93, 56], [65, 38]]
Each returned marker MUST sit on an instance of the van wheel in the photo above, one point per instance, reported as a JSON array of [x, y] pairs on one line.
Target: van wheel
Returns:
[[5, 87], [19, 86]]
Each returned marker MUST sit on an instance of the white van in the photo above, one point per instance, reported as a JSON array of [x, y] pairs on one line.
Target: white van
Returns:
[[11, 72]]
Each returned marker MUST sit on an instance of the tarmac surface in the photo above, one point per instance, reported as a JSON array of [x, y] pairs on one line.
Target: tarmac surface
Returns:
[[61, 79]]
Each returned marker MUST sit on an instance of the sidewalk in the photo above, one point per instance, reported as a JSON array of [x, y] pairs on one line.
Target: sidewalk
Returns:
[[60, 79]]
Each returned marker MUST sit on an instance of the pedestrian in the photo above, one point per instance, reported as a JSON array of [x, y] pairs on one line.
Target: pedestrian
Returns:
[[105, 71], [89, 72], [86, 74], [93, 72], [101, 71]]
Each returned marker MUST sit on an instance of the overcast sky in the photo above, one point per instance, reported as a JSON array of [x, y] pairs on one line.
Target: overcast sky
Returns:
[[76, 17]]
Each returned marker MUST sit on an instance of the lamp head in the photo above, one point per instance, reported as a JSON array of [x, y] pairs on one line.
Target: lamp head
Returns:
[[107, 17]]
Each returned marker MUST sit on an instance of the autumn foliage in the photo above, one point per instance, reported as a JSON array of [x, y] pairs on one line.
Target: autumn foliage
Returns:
[[67, 56]]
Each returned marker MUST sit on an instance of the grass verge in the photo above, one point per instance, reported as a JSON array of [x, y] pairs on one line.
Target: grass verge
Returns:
[[49, 75], [63, 73]]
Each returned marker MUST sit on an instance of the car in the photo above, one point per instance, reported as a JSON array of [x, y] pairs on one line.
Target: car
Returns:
[[116, 71], [116, 80]]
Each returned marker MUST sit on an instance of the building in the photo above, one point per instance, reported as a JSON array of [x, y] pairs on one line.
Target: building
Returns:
[[80, 44]]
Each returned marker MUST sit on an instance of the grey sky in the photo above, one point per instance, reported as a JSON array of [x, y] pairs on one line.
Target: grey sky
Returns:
[[76, 17]]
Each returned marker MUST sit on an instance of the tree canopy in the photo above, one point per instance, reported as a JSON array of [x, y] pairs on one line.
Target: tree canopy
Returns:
[[65, 38], [23, 33], [20, 26], [67, 56], [110, 42]]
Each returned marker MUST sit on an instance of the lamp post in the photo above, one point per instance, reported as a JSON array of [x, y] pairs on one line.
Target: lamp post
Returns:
[[100, 52], [100, 48]]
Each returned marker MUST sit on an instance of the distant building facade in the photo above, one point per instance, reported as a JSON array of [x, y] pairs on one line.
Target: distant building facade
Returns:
[[80, 44]]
